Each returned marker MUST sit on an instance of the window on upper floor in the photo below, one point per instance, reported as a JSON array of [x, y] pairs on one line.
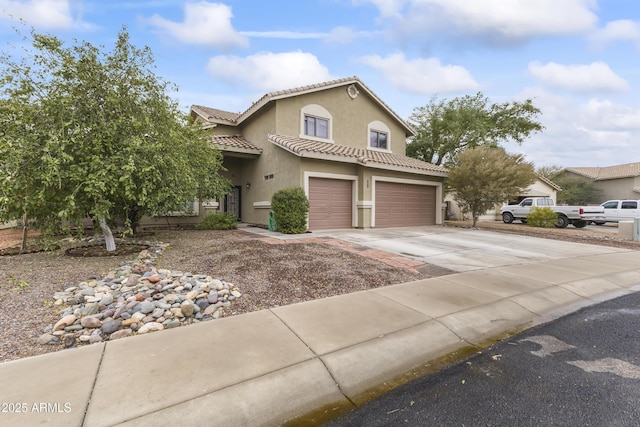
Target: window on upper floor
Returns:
[[378, 140], [379, 136], [316, 123], [316, 126]]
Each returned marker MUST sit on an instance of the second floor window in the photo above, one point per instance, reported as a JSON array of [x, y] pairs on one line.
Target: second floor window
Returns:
[[378, 139], [316, 126]]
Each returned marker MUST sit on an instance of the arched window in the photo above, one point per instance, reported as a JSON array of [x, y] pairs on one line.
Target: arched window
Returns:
[[379, 136], [316, 123]]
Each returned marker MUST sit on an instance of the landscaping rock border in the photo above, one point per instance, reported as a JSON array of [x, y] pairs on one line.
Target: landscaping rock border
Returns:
[[136, 298]]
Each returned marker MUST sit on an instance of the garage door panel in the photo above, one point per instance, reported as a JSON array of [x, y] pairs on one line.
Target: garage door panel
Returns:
[[403, 205], [330, 203]]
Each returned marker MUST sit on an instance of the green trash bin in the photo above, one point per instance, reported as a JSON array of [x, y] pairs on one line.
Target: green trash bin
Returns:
[[273, 226]]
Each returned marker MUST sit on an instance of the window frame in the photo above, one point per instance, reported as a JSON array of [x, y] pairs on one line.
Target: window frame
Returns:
[[378, 127], [317, 112], [377, 134], [315, 119]]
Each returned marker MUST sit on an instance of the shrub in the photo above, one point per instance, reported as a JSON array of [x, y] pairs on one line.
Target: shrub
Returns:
[[542, 217], [218, 221], [290, 207]]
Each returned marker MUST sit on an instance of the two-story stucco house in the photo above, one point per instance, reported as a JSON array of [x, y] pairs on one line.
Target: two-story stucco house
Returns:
[[339, 142]]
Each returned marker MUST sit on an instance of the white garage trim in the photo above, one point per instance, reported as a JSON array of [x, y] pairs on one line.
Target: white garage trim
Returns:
[[438, 186], [354, 190]]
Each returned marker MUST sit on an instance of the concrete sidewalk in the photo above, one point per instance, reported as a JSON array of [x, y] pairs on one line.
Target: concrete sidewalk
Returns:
[[309, 360]]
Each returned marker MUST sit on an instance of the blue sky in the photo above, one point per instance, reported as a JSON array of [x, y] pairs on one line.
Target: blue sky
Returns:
[[578, 60]]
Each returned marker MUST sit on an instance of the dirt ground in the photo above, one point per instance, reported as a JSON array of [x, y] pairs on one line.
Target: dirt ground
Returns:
[[267, 274]]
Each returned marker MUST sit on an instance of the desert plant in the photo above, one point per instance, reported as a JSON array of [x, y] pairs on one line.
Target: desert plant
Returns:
[[218, 221], [290, 207], [543, 217]]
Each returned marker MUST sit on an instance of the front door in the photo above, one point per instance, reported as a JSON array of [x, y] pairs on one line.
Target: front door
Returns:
[[232, 202]]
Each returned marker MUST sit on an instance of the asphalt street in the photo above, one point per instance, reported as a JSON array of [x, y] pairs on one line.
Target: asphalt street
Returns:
[[580, 370]]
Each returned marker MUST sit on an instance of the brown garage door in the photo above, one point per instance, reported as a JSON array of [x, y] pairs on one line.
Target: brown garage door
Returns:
[[330, 203], [404, 205]]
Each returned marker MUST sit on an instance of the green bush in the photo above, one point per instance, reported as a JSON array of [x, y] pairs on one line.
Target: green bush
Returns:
[[290, 207], [218, 221], [542, 217]]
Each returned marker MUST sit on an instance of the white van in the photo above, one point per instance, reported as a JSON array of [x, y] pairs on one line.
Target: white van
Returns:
[[620, 210]]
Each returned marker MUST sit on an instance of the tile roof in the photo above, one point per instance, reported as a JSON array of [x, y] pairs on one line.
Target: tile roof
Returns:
[[627, 170], [317, 149], [235, 142], [549, 182], [212, 114]]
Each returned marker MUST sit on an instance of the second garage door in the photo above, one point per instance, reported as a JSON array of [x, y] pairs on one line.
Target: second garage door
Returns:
[[330, 203], [404, 205]]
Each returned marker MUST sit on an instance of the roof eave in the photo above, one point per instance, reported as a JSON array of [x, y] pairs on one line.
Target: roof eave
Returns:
[[240, 150]]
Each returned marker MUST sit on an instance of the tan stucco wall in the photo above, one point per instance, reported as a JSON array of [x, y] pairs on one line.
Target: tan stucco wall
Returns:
[[225, 130], [540, 188], [622, 188], [350, 117], [275, 161]]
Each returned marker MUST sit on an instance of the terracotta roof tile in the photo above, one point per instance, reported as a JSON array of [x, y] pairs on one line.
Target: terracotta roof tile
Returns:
[[234, 141], [610, 172], [362, 156], [213, 113]]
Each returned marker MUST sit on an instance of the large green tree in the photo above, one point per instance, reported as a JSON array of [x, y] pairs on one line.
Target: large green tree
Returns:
[[485, 176], [444, 128], [87, 133]]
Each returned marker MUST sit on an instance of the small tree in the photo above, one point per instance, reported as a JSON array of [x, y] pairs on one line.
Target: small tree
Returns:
[[486, 176], [290, 207]]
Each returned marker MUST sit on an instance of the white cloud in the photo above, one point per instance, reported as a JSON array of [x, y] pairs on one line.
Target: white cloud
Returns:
[[41, 14], [423, 76], [607, 116], [387, 8], [292, 35], [504, 21], [204, 24], [596, 76], [620, 30], [269, 71], [346, 35], [591, 133]]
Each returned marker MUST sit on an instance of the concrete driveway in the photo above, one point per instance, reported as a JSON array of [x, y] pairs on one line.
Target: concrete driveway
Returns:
[[465, 249]]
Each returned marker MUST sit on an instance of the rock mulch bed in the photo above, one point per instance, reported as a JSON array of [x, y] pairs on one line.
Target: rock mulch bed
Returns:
[[136, 298]]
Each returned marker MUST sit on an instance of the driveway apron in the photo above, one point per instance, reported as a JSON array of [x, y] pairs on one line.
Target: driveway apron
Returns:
[[462, 249]]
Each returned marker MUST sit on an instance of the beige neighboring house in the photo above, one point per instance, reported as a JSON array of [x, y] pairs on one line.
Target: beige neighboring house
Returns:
[[339, 142], [615, 182], [542, 187]]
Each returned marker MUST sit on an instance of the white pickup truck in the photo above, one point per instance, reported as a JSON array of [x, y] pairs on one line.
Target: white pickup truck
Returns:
[[620, 210], [578, 216]]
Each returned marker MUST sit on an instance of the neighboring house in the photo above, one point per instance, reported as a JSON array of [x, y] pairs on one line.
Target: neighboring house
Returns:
[[615, 182], [339, 142], [542, 187]]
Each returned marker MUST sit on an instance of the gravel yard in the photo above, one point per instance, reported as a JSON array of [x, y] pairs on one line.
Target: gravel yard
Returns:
[[268, 275]]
